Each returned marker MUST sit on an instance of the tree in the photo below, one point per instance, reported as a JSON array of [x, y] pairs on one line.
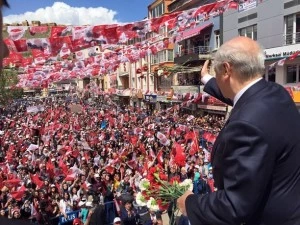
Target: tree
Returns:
[[8, 89]]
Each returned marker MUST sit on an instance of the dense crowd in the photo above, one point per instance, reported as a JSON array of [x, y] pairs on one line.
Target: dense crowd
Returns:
[[63, 154]]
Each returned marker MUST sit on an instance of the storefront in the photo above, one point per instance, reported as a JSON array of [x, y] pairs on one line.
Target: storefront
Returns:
[[281, 69], [150, 102], [123, 96], [213, 109], [136, 98]]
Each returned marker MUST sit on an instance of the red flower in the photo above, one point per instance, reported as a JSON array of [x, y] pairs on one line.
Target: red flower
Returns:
[[162, 206], [175, 178], [163, 176]]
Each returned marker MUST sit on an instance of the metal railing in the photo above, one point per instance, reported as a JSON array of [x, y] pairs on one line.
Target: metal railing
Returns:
[[177, 4], [291, 38], [199, 50], [110, 214]]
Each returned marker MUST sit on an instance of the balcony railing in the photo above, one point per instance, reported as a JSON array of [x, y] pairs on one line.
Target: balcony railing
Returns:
[[176, 4], [199, 50], [292, 38]]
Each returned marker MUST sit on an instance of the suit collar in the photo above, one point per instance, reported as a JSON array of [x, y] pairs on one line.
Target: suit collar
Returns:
[[244, 89], [256, 87]]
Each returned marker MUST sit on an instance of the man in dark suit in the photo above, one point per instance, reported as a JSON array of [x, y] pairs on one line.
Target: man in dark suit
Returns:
[[255, 158]]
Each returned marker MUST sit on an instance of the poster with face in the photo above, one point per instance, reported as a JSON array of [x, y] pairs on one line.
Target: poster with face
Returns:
[[16, 32]]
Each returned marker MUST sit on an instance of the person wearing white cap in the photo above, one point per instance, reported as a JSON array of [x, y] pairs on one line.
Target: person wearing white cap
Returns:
[[97, 214], [117, 220]]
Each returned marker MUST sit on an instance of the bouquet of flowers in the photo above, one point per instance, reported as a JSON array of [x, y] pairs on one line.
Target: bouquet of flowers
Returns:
[[156, 192]]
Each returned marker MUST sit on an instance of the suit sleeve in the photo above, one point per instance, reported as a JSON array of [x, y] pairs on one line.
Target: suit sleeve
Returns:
[[247, 166], [212, 88]]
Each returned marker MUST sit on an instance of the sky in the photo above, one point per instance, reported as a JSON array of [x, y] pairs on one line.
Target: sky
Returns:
[[76, 12]]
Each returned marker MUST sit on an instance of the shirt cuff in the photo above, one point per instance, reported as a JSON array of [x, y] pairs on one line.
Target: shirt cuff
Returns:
[[206, 78]]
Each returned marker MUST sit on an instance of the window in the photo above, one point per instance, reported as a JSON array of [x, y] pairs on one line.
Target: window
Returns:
[[291, 74], [154, 59], [158, 11], [292, 29], [170, 55], [206, 39], [250, 32], [151, 81], [165, 81], [272, 74], [162, 56], [217, 39]]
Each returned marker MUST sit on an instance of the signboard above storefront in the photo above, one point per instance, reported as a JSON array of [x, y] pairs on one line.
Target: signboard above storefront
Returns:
[[246, 5], [213, 107], [186, 89], [150, 98], [281, 52]]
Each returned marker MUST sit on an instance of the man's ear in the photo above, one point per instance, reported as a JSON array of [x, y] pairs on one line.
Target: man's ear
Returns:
[[227, 69]]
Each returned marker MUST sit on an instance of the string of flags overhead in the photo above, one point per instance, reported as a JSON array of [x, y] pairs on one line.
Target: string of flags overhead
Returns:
[[44, 55], [281, 62]]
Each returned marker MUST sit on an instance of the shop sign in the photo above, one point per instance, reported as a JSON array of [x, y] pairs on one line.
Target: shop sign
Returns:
[[212, 107], [281, 52], [186, 89], [246, 5], [161, 98], [150, 98]]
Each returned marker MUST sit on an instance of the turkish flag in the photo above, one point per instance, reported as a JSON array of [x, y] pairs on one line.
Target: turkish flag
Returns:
[[50, 168], [180, 158], [111, 35], [21, 45], [26, 61], [57, 43], [204, 9], [36, 180], [33, 30], [125, 33], [18, 195], [12, 182], [60, 31], [10, 45], [160, 159], [157, 22], [294, 56], [16, 58], [233, 5]]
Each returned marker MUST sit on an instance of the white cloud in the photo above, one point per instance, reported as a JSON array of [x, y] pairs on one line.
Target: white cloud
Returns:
[[61, 13]]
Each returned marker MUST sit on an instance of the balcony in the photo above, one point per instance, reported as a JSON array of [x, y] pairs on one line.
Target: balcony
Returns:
[[292, 38], [182, 4], [192, 54]]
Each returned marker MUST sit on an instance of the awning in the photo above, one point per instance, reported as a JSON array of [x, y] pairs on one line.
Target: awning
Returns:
[[123, 74], [125, 92], [192, 32]]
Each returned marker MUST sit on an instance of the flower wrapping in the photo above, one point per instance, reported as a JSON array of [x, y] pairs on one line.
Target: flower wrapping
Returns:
[[156, 192]]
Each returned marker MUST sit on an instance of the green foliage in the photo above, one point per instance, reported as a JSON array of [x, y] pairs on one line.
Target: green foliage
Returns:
[[8, 91]]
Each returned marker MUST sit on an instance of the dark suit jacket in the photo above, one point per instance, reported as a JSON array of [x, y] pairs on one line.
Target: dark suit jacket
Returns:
[[256, 162]]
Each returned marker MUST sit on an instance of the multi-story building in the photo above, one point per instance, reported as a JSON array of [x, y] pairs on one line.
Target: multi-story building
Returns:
[[163, 58], [276, 26], [192, 47]]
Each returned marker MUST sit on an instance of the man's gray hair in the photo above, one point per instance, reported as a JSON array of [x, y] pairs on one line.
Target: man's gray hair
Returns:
[[246, 64]]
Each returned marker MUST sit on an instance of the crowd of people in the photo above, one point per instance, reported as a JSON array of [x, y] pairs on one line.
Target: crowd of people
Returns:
[[68, 160]]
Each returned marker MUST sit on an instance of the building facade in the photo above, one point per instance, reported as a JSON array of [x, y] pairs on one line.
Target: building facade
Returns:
[[276, 26], [192, 47]]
